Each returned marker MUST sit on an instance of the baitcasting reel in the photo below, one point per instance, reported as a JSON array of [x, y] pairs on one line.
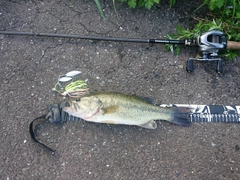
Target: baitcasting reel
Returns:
[[209, 45]]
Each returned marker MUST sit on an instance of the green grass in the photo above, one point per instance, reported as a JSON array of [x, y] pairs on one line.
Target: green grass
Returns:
[[99, 8]]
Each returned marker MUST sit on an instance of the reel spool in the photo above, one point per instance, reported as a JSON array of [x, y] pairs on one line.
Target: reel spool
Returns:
[[210, 43]]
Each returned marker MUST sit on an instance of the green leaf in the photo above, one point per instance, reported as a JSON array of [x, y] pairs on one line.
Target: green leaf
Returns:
[[238, 15], [219, 3], [132, 3], [99, 8], [177, 49], [214, 4], [148, 4], [180, 29], [228, 12], [172, 2], [115, 9], [141, 3]]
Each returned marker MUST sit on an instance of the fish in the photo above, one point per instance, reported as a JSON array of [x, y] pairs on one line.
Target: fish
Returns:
[[118, 108]]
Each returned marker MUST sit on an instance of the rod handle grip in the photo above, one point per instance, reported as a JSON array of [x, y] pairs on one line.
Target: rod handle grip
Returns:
[[233, 45]]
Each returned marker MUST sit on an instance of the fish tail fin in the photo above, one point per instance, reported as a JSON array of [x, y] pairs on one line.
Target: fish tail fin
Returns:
[[181, 116]]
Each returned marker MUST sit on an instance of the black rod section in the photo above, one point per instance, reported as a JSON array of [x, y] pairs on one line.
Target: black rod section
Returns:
[[160, 41]]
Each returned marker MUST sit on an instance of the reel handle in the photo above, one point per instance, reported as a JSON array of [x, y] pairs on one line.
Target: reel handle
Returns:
[[233, 45]]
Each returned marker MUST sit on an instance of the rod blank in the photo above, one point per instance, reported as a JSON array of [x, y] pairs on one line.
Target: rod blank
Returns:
[[134, 40]]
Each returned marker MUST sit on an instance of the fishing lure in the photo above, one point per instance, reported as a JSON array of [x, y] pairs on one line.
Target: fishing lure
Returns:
[[55, 115]]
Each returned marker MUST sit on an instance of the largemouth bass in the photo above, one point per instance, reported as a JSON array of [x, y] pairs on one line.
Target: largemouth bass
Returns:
[[117, 108]]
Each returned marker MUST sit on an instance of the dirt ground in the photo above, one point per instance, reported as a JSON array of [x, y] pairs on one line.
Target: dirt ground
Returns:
[[30, 66]]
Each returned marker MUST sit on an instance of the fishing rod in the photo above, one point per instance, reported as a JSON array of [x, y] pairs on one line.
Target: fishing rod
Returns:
[[134, 40], [209, 43]]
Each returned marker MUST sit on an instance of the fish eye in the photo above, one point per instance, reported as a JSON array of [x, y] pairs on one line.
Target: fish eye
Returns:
[[78, 99]]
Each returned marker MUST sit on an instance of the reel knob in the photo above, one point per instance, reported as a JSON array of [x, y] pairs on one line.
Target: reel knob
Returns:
[[219, 66], [189, 66]]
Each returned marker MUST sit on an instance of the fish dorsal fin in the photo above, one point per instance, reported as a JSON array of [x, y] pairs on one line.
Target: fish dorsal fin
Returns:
[[149, 125], [111, 109], [147, 99]]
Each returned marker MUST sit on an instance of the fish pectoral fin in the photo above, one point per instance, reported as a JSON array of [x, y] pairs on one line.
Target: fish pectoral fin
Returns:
[[110, 109], [149, 125]]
